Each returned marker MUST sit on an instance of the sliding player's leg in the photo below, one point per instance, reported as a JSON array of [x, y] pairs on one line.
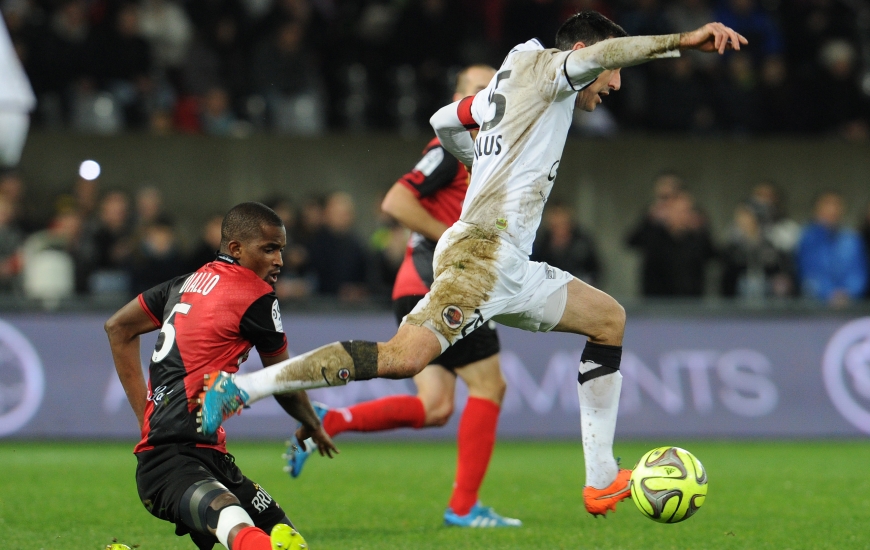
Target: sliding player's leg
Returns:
[[591, 312], [475, 442], [201, 491]]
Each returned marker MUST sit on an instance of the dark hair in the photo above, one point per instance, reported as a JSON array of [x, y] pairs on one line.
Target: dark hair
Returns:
[[588, 27], [245, 221]]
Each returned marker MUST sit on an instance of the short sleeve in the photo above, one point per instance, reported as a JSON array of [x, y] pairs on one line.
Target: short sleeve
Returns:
[[261, 326], [153, 301], [436, 170]]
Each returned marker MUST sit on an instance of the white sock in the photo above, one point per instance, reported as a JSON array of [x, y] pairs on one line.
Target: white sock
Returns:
[[229, 518], [278, 378], [599, 403]]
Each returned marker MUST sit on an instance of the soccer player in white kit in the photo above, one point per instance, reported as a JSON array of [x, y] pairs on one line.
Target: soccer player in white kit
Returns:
[[482, 267]]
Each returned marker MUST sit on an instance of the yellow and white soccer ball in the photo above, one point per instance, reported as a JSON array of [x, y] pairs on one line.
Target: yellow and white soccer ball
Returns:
[[117, 546], [668, 484]]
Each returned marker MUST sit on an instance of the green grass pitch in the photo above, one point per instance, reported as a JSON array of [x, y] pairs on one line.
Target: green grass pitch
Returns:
[[779, 495]]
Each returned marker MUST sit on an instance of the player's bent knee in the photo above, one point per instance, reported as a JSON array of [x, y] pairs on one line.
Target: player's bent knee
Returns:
[[439, 414], [202, 503], [612, 324], [494, 389]]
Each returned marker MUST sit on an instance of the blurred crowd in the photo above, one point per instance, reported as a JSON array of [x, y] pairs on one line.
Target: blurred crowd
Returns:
[[233, 67], [103, 242], [765, 254], [108, 243]]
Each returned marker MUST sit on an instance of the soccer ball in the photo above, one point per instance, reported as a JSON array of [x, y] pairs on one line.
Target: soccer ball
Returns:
[[668, 484], [117, 546]]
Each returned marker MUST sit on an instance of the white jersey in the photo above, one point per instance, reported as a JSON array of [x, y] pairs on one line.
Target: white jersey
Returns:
[[524, 116]]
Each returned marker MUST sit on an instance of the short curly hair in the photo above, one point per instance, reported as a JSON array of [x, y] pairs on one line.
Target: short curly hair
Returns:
[[588, 27], [245, 222]]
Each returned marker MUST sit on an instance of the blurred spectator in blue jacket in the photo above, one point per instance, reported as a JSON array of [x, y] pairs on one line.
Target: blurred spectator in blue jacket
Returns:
[[831, 258]]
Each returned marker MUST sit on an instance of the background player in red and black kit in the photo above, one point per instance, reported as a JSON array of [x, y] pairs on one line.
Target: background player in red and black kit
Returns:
[[210, 318], [428, 200]]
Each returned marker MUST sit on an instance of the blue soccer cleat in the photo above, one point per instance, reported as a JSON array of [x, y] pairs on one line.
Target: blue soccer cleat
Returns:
[[479, 516], [295, 455], [220, 399]]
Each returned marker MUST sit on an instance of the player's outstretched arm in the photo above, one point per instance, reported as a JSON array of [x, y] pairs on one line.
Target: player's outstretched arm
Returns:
[[616, 53], [124, 329]]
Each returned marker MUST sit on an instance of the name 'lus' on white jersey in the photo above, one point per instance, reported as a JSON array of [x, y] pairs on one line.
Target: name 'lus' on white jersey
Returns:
[[524, 115]]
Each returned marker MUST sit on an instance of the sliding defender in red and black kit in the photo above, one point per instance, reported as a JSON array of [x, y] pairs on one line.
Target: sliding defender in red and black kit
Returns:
[[208, 320]]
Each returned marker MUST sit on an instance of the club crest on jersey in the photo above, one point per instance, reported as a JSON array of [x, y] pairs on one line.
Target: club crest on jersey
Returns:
[[501, 224], [343, 374], [452, 316]]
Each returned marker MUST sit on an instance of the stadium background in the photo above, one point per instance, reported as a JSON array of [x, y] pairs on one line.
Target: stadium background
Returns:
[[206, 103], [190, 106]]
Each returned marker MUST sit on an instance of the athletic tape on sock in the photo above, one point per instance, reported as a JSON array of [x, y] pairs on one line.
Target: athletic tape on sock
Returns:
[[195, 503], [607, 358], [229, 518], [602, 354], [365, 358]]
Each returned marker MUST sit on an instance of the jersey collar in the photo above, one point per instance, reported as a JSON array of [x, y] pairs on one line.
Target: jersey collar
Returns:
[[226, 258]]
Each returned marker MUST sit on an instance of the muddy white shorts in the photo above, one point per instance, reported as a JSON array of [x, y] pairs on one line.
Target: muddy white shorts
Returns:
[[480, 276]]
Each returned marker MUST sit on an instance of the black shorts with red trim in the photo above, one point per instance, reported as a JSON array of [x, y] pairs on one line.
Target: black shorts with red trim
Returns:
[[165, 472], [478, 345]]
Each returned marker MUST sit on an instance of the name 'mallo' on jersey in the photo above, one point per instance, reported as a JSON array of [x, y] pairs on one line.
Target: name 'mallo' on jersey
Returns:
[[209, 320], [439, 182], [524, 115]]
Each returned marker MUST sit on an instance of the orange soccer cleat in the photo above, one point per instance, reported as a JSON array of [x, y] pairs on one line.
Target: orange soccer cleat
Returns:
[[599, 501]]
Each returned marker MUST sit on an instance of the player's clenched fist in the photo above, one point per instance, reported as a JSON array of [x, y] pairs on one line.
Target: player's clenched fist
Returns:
[[712, 37]]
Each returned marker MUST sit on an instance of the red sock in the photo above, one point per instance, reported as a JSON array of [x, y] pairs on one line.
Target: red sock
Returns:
[[252, 538], [476, 440], [387, 413]]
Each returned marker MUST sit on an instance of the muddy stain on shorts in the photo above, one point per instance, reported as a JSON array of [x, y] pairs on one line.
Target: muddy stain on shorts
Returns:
[[464, 278]]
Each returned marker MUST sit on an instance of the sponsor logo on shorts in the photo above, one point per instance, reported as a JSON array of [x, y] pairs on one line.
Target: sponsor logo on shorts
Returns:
[[551, 273], [452, 316], [475, 321], [343, 374], [501, 224], [261, 500]]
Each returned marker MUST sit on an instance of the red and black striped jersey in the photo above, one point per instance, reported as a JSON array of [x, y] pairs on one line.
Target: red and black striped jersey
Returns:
[[209, 320], [439, 182]]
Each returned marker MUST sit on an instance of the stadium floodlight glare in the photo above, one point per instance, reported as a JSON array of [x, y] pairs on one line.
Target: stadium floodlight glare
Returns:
[[89, 170]]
